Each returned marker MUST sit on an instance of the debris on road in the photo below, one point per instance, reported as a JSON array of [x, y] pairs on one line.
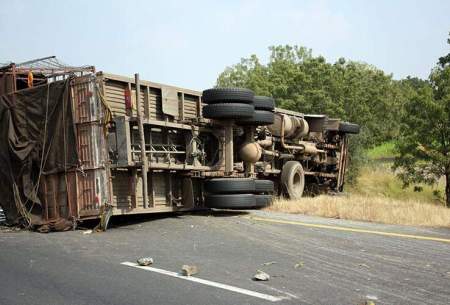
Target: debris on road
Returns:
[[269, 263], [298, 265], [188, 270], [261, 276], [145, 261], [364, 265], [367, 303], [87, 232]]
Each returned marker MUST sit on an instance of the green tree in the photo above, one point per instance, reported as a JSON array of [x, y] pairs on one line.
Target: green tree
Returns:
[[349, 90], [302, 82], [424, 141]]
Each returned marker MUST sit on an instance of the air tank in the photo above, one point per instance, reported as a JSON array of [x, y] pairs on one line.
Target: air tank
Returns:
[[294, 127]]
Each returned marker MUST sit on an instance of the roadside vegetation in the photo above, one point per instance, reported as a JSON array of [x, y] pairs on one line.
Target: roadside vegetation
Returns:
[[399, 163], [378, 195], [383, 152], [410, 117], [369, 208]]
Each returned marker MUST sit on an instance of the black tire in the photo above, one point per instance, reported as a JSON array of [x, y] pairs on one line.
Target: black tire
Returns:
[[259, 118], [293, 179], [262, 201], [347, 127], [264, 186], [264, 103], [227, 95], [228, 111], [230, 185], [231, 201]]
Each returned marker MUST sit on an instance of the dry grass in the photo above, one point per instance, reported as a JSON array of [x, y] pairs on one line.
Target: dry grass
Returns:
[[368, 208], [378, 180]]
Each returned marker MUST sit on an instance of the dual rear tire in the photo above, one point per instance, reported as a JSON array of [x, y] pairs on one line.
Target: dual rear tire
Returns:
[[238, 193], [238, 104]]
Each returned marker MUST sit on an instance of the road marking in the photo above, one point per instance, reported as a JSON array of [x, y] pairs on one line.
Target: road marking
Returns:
[[337, 228], [255, 294]]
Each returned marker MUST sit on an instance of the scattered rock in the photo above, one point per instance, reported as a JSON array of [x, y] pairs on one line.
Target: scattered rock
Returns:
[[145, 261], [188, 270], [298, 265], [261, 276], [367, 303], [364, 265], [269, 263]]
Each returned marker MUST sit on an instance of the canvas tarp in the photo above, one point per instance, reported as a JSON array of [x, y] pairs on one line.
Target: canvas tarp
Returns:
[[37, 137]]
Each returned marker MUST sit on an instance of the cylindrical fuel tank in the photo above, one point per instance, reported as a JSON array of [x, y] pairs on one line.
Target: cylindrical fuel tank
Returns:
[[250, 152], [294, 127]]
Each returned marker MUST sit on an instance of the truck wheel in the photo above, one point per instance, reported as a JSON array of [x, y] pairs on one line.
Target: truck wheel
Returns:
[[293, 179], [262, 201], [349, 127], [264, 103], [259, 118], [263, 186], [230, 185], [230, 201], [227, 95], [228, 111]]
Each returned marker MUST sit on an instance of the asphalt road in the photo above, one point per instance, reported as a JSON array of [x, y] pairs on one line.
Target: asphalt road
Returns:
[[312, 261]]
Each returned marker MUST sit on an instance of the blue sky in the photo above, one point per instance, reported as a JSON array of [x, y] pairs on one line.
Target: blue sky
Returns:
[[188, 43]]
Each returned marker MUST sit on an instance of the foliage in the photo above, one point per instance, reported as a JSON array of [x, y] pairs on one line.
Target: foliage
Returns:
[[353, 91], [378, 179], [383, 151], [424, 140]]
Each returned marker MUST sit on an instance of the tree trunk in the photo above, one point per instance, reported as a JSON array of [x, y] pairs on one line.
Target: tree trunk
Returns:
[[447, 189]]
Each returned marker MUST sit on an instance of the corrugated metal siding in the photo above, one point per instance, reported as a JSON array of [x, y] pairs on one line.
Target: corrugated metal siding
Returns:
[[122, 186], [54, 188], [91, 145], [125, 193], [91, 192], [190, 106], [155, 102], [86, 105], [114, 92], [88, 186]]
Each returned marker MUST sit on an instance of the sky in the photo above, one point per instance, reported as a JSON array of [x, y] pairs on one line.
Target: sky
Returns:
[[188, 43]]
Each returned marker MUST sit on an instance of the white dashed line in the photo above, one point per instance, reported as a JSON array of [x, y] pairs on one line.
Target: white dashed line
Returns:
[[208, 283]]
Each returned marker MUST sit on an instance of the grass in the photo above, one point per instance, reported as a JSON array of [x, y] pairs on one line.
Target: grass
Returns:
[[368, 208], [383, 151], [378, 180], [378, 196]]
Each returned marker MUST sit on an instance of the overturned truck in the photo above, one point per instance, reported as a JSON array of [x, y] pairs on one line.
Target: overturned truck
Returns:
[[77, 144]]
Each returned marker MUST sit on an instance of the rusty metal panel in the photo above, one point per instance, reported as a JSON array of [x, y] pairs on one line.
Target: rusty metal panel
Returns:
[[74, 194], [91, 145], [92, 191], [55, 201], [87, 106]]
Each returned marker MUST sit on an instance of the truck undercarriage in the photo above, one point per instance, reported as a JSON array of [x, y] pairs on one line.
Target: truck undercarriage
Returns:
[[126, 146]]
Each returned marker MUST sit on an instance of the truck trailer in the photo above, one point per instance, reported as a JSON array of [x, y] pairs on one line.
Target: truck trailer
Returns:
[[78, 144]]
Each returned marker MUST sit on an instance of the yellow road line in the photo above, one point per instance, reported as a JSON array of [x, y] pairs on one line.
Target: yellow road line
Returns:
[[337, 228]]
